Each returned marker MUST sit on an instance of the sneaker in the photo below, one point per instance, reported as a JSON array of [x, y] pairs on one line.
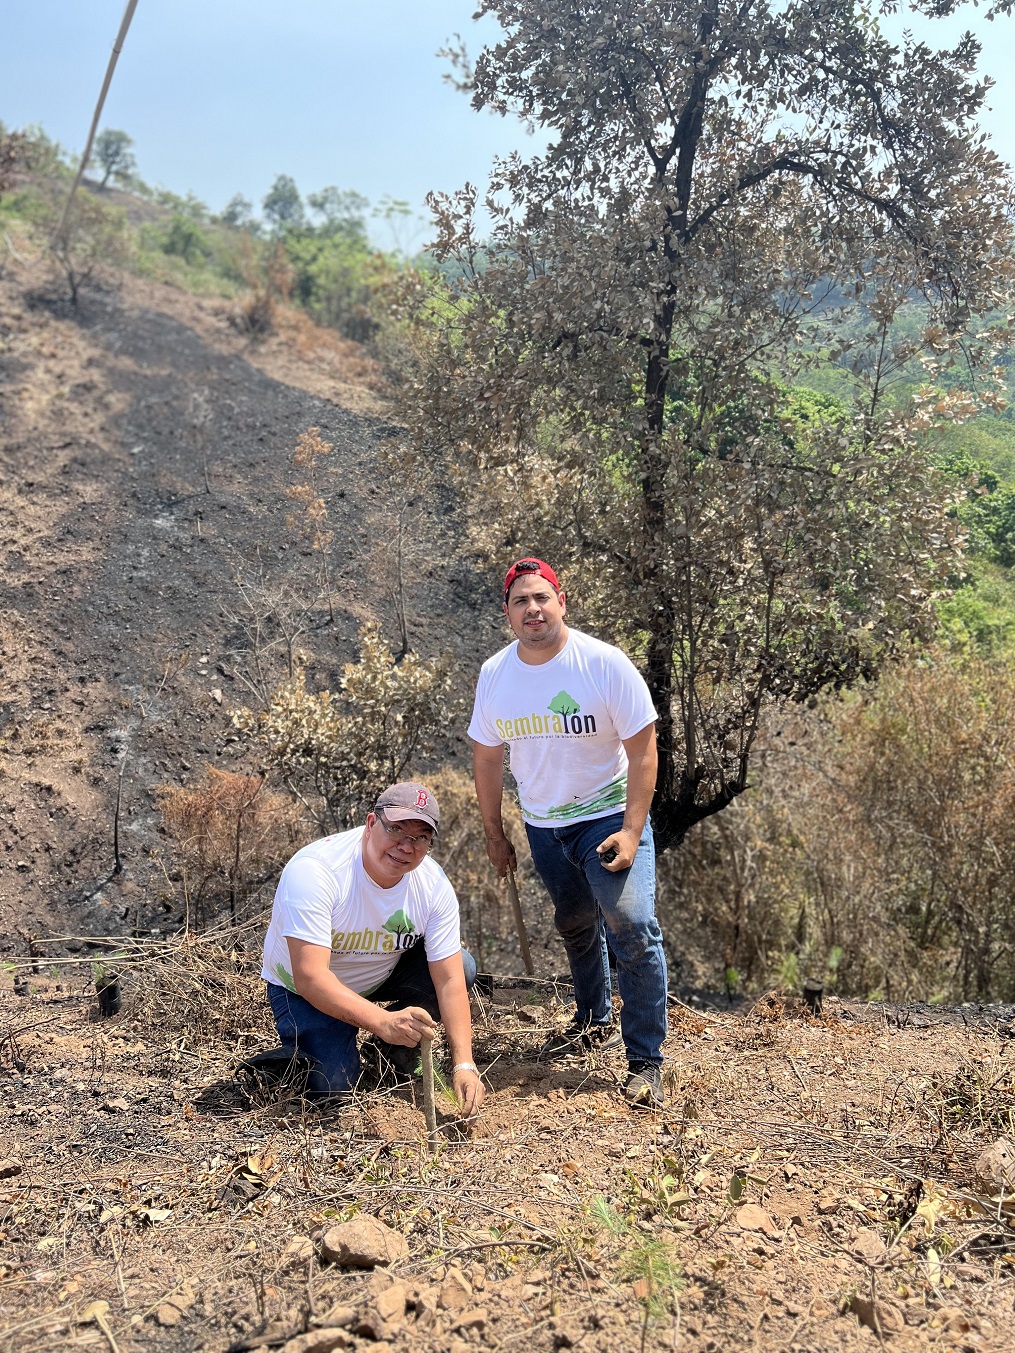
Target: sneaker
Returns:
[[644, 1088], [579, 1038]]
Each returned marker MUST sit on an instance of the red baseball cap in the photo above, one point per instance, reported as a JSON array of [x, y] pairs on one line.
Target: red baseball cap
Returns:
[[523, 567]]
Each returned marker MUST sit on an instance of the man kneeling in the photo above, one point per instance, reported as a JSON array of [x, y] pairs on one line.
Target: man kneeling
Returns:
[[362, 918]]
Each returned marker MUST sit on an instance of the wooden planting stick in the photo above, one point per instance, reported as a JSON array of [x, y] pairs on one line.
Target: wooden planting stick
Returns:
[[516, 907], [429, 1108]]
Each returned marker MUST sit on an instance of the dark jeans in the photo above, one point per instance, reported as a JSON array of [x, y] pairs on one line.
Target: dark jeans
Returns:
[[585, 896], [330, 1042]]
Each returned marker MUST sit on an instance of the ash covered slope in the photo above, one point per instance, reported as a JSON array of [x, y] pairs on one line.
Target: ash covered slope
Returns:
[[117, 562]]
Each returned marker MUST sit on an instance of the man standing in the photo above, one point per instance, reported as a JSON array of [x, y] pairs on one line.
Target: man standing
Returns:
[[366, 917], [579, 722]]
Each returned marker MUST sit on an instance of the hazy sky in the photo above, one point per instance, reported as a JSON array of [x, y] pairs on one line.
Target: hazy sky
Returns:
[[222, 95]]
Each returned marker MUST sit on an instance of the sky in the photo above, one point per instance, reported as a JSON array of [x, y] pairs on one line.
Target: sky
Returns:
[[220, 96]]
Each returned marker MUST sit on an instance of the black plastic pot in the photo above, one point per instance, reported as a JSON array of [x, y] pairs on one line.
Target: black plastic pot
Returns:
[[108, 988]]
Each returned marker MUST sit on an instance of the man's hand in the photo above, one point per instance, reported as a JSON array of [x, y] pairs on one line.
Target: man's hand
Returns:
[[470, 1091], [405, 1027], [501, 854], [625, 843]]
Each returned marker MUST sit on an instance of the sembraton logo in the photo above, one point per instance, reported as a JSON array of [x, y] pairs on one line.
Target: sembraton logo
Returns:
[[565, 718], [397, 932]]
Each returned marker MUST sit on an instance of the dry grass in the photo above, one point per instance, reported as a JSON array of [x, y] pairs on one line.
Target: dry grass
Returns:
[[231, 832]]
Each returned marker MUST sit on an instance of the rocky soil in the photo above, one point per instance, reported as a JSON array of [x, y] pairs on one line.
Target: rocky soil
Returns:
[[812, 1184]]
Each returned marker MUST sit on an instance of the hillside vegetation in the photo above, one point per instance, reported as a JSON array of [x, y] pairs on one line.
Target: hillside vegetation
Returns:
[[920, 909]]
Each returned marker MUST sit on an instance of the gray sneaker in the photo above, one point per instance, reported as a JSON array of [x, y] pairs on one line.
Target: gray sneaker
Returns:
[[644, 1088], [580, 1038]]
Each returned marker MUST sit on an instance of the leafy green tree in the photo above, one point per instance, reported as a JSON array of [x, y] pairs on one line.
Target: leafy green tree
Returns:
[[113, 152], [238, 213], [343, 212], [605, 378], [184, 238], [283, 206]]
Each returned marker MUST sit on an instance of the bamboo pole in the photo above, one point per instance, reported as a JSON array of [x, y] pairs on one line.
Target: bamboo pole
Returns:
[[128, 14], [516, 907]]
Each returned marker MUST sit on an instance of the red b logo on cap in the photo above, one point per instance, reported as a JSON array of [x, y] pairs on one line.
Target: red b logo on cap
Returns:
[[422, 798]]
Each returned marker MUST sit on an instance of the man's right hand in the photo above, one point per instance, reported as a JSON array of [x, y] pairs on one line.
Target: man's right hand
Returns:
[[405, 1027], [502, 854]]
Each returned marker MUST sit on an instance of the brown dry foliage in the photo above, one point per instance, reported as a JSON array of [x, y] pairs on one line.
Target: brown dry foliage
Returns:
[[231, 832], [270, 279], [878, 848], [14, 156]]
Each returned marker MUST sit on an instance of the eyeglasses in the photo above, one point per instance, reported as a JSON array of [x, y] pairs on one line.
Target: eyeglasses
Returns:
[[424, 841]]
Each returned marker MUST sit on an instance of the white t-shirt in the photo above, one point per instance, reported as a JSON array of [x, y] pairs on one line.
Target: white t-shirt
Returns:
[[326, 897], [563, 721]]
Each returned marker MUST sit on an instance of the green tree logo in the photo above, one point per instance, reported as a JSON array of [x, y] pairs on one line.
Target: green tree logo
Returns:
[[399, 924], [564, 704]]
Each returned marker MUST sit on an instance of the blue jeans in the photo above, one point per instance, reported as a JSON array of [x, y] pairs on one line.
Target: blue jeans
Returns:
[[331, 1043], [585, 895]]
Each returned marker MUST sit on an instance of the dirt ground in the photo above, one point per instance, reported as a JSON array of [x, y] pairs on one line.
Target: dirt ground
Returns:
[[810, 1184]]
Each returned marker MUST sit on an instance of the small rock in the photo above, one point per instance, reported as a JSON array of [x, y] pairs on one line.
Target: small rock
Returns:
[[474, 1319], [371, 1326], [880, 1316], [390, 1305], [216, 695], [319, 1341], [363, 1242], [119, 1105], [168, 1315], [565, 1336], [955, 1320], [339, 1317], [426, 1308], [456, 1291], [750, 1217], [995, 1167], [298, 1250], [828, 1204], [867, 1246], [9, 1168]]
